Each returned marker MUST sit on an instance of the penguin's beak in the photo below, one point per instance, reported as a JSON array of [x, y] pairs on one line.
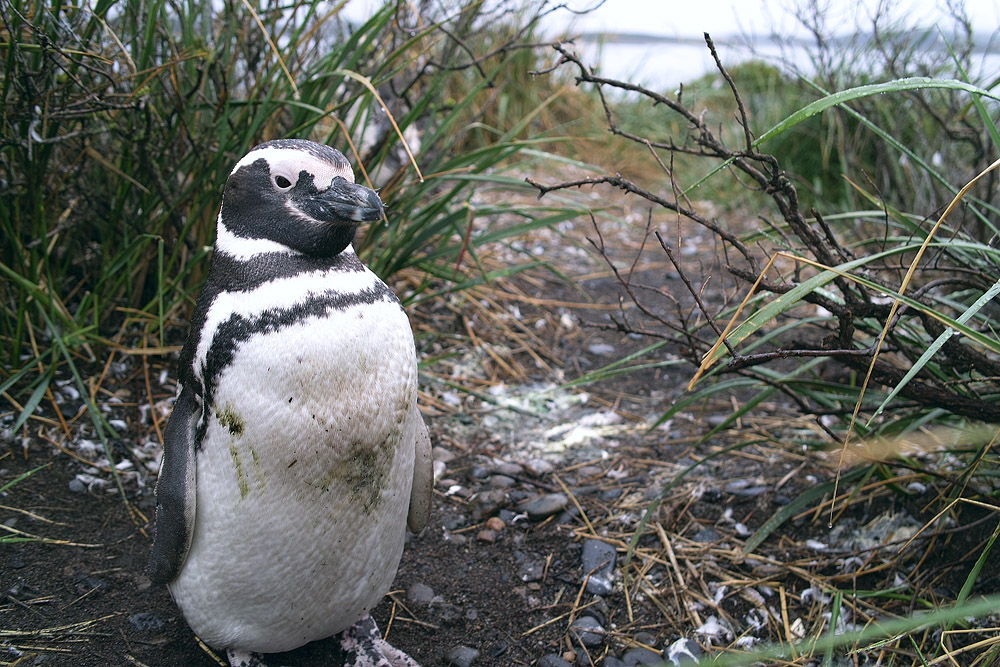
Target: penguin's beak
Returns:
[[343, 201]]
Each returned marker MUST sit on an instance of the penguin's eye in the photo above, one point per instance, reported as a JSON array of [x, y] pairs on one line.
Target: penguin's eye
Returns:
[[281, 182]]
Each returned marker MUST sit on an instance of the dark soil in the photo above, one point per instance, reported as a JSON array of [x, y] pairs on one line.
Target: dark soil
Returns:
[[92, 605]]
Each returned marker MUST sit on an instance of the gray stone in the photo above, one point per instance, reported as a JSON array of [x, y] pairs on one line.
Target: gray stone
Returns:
[[645, 638], [545, 506], [502, 481], [539, 467], [461, 656], [486, 503], [641, 656], [146, 621], [552, 660], [599, 562], [587, 631], [419, 593], [707, 535], [612, 661], [76, 486], [504, 468], [531, 570]]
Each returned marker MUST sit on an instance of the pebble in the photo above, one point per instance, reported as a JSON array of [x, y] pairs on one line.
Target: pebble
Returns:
[[553, 660], [441, 454], [419, 593], [539, 467], [707, 535], [612, 494], [486, 503], [645, 638], [612, 661], [497, 648], [502, 481], [587, 631], [146, 621], [601, 349], [76, 486], [531, 570], [487, 535], [545, 506], [495, 523], [599, 562], [512, 469], [641, 656], [461, 656]]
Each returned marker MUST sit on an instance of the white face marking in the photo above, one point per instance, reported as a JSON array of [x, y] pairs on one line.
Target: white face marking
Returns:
[[288, 162], [242, 248]]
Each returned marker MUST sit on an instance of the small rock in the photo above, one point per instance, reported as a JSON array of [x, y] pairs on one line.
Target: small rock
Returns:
[[569, 515], [455, 538], [480, 472], [15, 562], [419, 593], [544, 506], [612, 661], [531, 570], [645, 638], [487, 503], [146, 621], [449, 614], [509, 517], [612, 494], [487, 535], [461, 656], [511, 469], [552, 660], [497, 648], [539, 467], [599, 562], [707, 535], [641, 656], [76, 486], [441, 454], [439, 468], [587, 631], [601, 349], [502, 481], [495, 523]]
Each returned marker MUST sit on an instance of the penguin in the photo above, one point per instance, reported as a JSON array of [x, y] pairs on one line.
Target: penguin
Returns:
[[295, 457]]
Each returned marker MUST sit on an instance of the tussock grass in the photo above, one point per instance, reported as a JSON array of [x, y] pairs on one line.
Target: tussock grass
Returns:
[[121, 122]]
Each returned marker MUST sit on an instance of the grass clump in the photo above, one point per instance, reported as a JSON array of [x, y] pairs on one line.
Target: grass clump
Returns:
[[121, 122]]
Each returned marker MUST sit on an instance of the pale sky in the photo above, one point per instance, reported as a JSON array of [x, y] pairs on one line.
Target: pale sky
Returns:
[[733, 25], [686, 18]]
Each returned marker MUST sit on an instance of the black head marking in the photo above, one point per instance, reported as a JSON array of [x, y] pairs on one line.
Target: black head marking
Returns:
[[298, 194]]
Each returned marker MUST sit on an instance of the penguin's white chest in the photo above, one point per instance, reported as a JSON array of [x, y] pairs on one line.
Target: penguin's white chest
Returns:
[[303, 479]]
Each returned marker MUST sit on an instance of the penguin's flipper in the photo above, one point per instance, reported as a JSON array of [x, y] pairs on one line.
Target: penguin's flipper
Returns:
[[423, 472], [175, 491]]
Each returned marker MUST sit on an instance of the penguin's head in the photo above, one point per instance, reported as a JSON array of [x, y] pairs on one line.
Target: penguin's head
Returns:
[[296, 196]]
